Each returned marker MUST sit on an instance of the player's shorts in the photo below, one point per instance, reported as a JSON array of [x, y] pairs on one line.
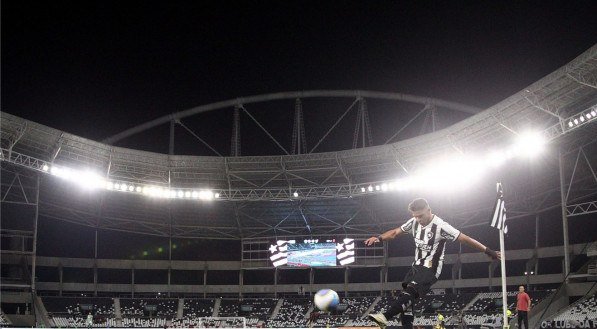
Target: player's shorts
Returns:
[[423, 278]]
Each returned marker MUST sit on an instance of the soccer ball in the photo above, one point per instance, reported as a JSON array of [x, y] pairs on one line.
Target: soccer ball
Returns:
[[326, 299]]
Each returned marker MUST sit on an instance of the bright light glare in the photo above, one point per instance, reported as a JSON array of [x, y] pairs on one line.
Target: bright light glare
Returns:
[[529, 144], [449, 174], [45, 168], [89, 180], [295, 194], [496, 158], [570, 124], [206, 195]]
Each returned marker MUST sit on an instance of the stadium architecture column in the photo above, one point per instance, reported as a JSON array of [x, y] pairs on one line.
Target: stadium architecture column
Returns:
[[564, 215]]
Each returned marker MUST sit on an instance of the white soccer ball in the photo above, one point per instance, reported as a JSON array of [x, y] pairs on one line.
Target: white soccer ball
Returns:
[[326, 299]]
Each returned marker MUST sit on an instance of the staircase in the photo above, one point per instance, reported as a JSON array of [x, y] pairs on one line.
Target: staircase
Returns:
[[277, 308], [217, 307], [117, 312], [375, 302], [180, 311]]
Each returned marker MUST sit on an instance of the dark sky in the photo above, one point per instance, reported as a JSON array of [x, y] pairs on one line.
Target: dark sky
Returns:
[[95, 68]]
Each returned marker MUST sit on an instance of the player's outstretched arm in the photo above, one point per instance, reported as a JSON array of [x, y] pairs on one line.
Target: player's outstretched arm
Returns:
[[479, 246], [385, 236]]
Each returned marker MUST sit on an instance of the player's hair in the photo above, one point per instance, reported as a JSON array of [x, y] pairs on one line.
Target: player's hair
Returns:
[[418, 205]]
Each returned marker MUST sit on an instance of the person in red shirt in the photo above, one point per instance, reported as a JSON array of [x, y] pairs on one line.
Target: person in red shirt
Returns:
[[523, 305]]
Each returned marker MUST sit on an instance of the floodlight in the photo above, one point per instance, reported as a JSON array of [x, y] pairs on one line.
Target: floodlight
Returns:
[[180, 194], [370, 188], [195, 194], [131, 188], [206, 195], [187, 194], [55, 171], [138, 189], [384, 187], [109, 185], [217, 195], [570, 124], [526, 273], [45, 168], [295, 194], [529, 143], [532, 272], [582, 118], [575, 121], [402, 184], [116, 186], [363, 190], [593, 113], [377, 187], [88, 180]]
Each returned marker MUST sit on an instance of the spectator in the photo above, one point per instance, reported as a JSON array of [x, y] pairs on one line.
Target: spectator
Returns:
[[523, 305]]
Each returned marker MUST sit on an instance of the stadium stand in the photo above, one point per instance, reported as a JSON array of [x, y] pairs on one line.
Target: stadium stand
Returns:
[[257, 308], [292, 314], [72, 311], [356, 306], [480, 310], [197, 308], [165, 308], [582, 310], [4, 321], [229, 308]]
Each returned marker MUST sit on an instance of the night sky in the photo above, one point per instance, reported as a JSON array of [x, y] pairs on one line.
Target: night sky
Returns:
[[95, 68]]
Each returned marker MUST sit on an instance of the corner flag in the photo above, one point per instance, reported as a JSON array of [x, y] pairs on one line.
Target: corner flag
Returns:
[[499, 211]]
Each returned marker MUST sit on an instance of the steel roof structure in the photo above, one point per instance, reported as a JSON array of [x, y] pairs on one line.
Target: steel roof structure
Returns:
[[306, 193]]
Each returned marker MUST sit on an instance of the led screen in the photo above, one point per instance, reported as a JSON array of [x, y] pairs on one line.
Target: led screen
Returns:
[[312, 254]]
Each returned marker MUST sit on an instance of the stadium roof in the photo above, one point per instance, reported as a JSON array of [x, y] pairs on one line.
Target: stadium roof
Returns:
[[313, 193]]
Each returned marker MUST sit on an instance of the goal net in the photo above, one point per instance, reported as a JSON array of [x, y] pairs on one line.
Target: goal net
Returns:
[[222, 322]]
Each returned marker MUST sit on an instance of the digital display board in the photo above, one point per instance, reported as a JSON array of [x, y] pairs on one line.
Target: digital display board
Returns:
[[312, 252]]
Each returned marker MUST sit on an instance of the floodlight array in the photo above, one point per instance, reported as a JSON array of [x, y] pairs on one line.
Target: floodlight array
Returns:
[[582, 118], [441, 174], [93, 181], [460, 171]]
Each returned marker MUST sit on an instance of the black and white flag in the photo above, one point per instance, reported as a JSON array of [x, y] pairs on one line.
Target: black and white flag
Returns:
[[499, 211], [279, 253], [345, 251]]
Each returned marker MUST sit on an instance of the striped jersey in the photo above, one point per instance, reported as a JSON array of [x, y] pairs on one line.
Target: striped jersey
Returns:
[[430, 241]]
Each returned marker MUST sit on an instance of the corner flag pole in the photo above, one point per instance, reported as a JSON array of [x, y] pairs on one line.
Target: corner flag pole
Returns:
[[503, 267], [499, 222]]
